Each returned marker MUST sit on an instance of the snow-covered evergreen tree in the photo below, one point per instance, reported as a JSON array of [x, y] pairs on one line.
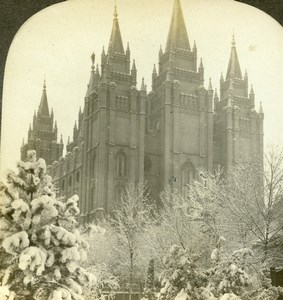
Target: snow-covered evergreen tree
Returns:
[[149, 291], [41, 247]]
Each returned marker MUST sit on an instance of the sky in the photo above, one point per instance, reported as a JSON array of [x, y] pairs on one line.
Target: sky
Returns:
[[56, 45]]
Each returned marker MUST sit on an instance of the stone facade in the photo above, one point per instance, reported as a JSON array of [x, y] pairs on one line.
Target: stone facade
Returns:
[[164, 136]]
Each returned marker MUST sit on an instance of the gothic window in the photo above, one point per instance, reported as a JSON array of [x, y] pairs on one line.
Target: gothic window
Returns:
[[78, 176], [121, 165], [92, 198], [92, 165], [147, 164], [187, 176], [63, 185], [157, 125], [70, 181], [119, 196]]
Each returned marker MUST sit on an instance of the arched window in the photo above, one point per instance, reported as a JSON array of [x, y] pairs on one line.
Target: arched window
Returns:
[[92, 165], [121, 165], [70, 181], [187, 176], [119, 197], [92, 199], [63, 185], [78, 177]]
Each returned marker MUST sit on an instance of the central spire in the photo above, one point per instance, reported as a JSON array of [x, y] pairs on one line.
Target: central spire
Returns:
[[234, 69], [43, 109], [115, 43], [178, 36]]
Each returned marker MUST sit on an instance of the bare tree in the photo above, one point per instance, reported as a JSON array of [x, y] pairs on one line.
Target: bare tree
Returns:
[[127, 226], [246, 204], [177, 224]]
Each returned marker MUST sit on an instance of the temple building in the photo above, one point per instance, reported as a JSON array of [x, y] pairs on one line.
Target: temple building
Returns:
[[162, 136], [42, 134]]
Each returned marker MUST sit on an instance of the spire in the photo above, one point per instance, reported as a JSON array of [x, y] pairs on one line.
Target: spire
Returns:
[[216, 98], [210, 85], [200, 64], [55, 126], [115, 43], [34, 117], [195, 47], [252, 91], [177, 37], [234, 69], [134, 65], [43, 109], [246, 75], [103, 52], [61, 140], [128, 49], [143, 86], [154, 70], [160, 51], [260, 111]]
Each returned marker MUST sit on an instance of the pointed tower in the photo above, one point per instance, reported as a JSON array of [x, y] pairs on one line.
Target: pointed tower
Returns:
[[179, 113], [116, 60], [115, 42], [234, 69], [238, 133], [177, 36], [42, 136], [113, 129], [178, 57]]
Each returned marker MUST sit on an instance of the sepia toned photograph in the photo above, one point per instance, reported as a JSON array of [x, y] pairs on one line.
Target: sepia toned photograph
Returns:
[[142, 153]]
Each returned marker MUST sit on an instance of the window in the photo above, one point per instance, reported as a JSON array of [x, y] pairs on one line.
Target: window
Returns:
[[78, 176], [92, 199], [92, 165], [187, 176], [121, 165], [147, 164], [63, 185], [70, 181], [119, 196]]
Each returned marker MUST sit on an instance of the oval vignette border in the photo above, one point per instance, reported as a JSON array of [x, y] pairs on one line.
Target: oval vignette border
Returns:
[[14, 13]]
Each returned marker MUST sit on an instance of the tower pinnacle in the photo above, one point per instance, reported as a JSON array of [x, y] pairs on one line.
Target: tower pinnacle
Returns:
[[234, 69], [43, 106], [115, 43], [178, 36], [115, 10]]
